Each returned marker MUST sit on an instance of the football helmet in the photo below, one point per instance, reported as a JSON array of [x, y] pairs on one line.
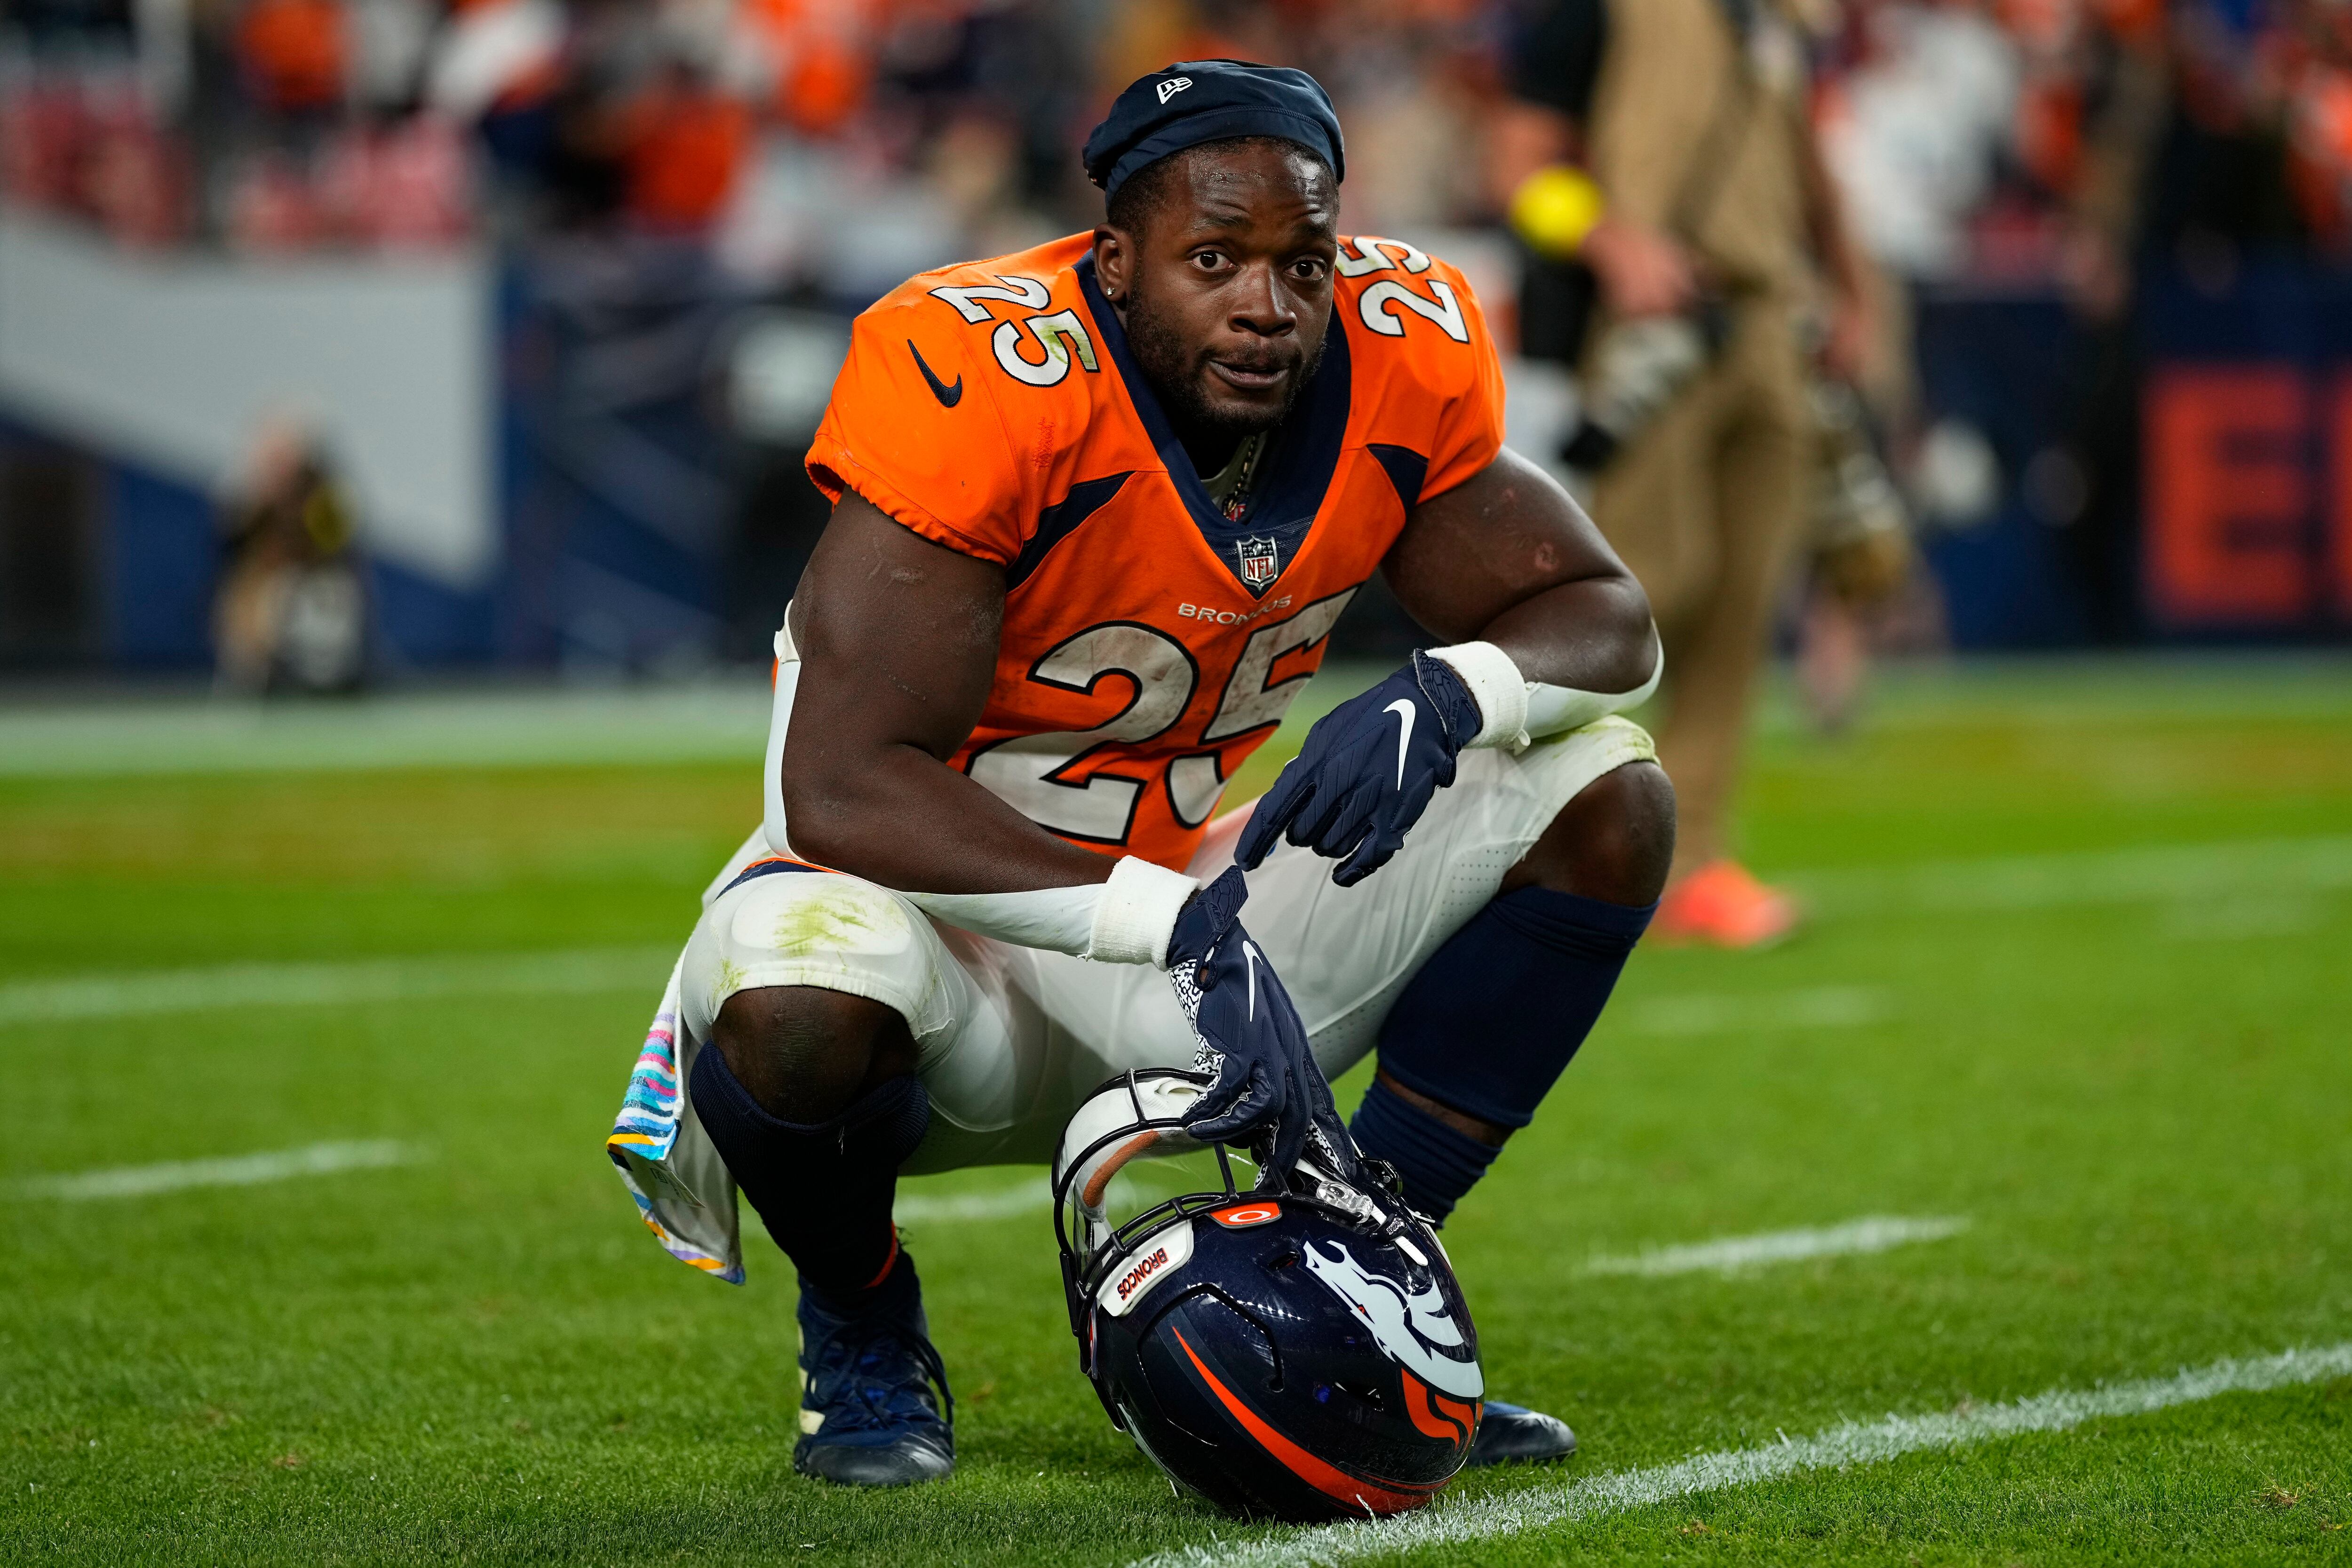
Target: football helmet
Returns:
[[1300, 1350]]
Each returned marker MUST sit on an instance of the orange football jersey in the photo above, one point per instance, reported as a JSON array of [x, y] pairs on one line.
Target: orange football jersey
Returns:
[[1150, 643]]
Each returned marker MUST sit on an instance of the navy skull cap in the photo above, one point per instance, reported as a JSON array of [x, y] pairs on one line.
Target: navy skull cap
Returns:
[[1193, 101]]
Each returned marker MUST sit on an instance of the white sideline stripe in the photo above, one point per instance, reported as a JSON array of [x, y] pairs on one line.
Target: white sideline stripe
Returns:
[[2177, 872], [1849, 1443], [923, 1207], [142, 993], [240, 1171], [1730, 1254], [1818, 1007], [723, 720], [1004, 1203], [2180, 874]]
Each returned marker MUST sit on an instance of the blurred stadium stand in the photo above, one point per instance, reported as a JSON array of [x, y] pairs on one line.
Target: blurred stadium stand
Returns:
[[557, 287]]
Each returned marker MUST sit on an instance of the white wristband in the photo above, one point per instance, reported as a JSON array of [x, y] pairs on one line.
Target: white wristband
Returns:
[[1551, 708], [1513, 708], [1500, 691], [1137, 912], [1126, 920]]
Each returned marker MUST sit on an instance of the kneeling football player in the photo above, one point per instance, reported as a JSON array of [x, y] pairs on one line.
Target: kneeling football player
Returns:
[[1096, 508]]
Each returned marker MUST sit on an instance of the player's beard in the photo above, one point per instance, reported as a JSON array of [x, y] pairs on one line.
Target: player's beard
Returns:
[[1177, 370]]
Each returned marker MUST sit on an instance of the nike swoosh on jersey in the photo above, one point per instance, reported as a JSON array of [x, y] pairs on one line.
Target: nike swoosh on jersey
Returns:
[[949, 396], [1402, 709], [1249, 951]]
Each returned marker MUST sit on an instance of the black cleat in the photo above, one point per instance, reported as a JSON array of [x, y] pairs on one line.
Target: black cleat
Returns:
[[1513, 1433], [867, 1415]]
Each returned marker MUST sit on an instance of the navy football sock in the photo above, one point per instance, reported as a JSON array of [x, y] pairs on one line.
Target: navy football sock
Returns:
[[898, 1292], [1438, 1162], [1491, 1021], [824, 1189]]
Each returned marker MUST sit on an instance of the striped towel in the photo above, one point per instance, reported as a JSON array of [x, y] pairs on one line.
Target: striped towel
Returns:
[[665, 1160]]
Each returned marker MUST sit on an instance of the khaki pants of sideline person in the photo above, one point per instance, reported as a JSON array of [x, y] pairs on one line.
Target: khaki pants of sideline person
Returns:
[[1704, 507]]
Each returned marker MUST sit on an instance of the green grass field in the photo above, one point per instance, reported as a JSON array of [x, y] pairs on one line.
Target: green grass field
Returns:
[[2079, 986]]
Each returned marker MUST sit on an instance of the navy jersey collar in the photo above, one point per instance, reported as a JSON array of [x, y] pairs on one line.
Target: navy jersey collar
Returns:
[[1300, 460]]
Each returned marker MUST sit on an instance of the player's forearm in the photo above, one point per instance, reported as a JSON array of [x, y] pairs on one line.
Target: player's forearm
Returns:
[[1593, 635], [1547, 627], [1562, 658], [911, 824], [897, 815]]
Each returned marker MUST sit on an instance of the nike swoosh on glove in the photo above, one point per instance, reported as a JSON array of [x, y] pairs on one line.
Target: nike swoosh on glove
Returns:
[[1251, 1039], [1368, 771]]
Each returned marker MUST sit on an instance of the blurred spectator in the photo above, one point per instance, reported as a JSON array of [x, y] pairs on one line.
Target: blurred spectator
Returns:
[[90, 148], [294, 55], [682, 145], [401, 185], [816, 59], [1974, 137], [1915, 125], [290, 612], [495, 57], [722, 159], [388, 39]]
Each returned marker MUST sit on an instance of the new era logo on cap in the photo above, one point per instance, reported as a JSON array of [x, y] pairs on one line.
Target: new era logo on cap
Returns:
[[1220, 98]]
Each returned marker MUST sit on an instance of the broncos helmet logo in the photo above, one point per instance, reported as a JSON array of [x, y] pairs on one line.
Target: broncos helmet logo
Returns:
[[1410, 1329]]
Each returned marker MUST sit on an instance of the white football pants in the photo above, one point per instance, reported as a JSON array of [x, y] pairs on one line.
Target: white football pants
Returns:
[[1013, 1040]]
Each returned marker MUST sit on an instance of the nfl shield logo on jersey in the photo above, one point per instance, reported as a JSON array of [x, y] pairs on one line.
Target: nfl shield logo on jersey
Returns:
[[1260, 560]]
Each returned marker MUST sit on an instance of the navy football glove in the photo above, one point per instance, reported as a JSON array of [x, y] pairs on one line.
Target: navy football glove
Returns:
[[1368, 771], [1251, 1039]]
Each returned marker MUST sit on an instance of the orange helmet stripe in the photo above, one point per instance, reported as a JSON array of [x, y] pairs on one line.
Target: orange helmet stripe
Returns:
[[1379, 1497]]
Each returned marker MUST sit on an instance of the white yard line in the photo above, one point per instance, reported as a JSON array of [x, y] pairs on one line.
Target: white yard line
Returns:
[[1732, 1254], [2176, 873], [1816, 1008], [2243, 916], [920, 1208], [142, 993], [725, 719], [1850, 1443], [1031, 1197], [2190, 877], [725, 716], [238, 1170], [721, 720]]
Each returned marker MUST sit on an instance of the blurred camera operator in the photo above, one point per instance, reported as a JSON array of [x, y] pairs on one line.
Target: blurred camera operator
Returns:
[[1661, 165], [290, 611]]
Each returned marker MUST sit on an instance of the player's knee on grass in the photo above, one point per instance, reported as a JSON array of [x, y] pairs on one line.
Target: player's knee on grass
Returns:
[[805, 1054], [1613, 841]]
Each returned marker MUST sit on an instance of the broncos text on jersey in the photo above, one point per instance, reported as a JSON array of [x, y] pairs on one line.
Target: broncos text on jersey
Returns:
[[1150, 644]]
